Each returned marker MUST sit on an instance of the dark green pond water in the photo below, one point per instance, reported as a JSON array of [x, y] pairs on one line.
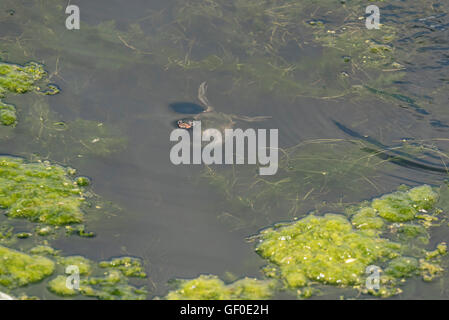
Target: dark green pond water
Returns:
[[131, 59]]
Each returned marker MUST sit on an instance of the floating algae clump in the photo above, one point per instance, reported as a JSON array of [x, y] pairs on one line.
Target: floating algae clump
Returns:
[[18, 269], [403, 206], [19, 79], [209, 287], [130, 267], [83, 264], [59, 286], [107, 280], [8, 115], [324, 249], [112, 286], [367, 218], [82, 181], [6, 233], [337, 250], [402, 267], [39, 192]]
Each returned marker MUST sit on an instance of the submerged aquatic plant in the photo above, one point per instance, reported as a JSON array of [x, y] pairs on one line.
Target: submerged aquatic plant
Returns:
[[93, 137], [293, 48], [210, 287], [103, 282], [332, 170], [40, 192], [258, 41], [75, 138], [307, 172], [110, 287], [50, 194]]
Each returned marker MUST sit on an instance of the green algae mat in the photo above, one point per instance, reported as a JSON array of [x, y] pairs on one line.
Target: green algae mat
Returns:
[[19, 269], [209, 287], [39, 192], [337, 250], [51, 196], [107, 280], [20, 79]]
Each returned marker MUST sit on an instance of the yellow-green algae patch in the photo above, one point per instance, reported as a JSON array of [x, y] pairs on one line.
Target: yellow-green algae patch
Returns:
[[44, 250], [408, 231], [6, 233], [210, 287], [334, 249], [402, 267], [107, 280], [130, 267], [20, 79], [19, 269], [8, 116], [403, 206], [59, 286], [39, 192], [324, 249]]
